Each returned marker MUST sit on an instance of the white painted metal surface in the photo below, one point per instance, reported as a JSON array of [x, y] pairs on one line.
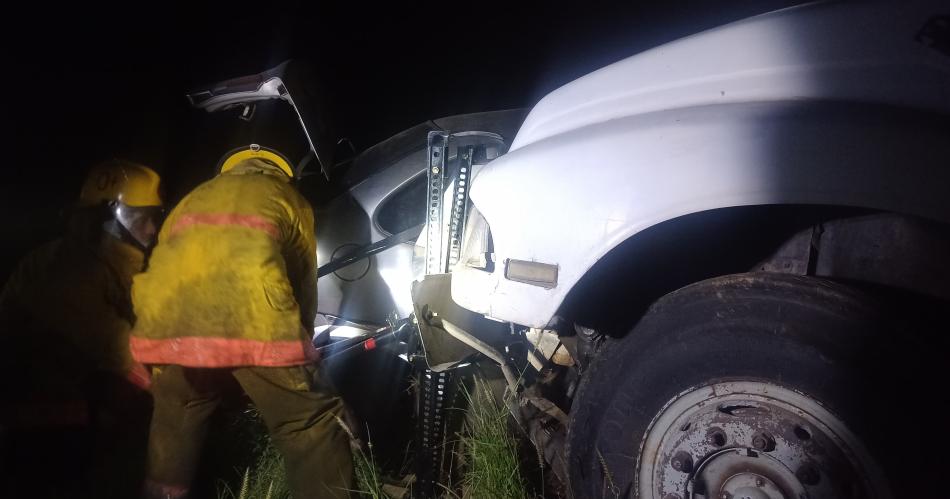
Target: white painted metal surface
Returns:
[[838, 51], [809, 105]]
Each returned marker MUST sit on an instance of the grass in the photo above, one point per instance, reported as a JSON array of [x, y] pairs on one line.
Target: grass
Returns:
[[365, 470], [266, 480], [489, 454], [490, 450]]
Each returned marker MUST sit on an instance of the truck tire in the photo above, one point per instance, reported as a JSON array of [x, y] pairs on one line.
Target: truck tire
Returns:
[[754, 385]]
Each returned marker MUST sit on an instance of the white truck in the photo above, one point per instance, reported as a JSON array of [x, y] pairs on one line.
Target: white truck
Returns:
[[740, 238]]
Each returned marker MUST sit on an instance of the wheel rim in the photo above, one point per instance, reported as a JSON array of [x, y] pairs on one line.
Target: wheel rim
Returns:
[[752, 440]]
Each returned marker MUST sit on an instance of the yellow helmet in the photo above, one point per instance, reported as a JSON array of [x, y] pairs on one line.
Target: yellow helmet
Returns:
[[235, 156], [129, 183]]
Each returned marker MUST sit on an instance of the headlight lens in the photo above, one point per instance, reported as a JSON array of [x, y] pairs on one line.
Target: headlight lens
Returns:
[[477, 248]]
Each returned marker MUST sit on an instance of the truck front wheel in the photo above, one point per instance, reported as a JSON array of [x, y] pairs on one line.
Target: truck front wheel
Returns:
[[746, 386]]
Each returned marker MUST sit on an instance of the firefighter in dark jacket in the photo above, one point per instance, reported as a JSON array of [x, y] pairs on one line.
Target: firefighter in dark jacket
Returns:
[[65, 317]]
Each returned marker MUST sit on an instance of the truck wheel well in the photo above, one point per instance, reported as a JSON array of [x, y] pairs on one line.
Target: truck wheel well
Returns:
[[852, 244]]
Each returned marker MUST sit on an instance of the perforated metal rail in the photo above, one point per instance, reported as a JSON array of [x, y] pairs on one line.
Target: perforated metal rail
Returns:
[[440, 419]]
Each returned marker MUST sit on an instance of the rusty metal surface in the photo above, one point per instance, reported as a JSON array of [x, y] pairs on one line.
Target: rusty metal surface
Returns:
[[888, 249], [882, 248], [752, 440]]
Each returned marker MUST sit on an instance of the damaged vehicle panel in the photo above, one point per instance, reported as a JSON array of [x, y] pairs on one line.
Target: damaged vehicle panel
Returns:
[[377, 197], [384, 195]]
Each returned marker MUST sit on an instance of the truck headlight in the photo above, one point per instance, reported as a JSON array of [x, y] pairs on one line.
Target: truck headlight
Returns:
[[477, 249]]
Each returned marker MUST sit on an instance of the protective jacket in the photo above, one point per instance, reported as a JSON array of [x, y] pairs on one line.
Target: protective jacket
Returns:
[[65, 313], [232, 280]]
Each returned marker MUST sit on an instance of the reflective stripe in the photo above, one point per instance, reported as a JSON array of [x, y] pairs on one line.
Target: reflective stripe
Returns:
[[194, 351], [250, 221]]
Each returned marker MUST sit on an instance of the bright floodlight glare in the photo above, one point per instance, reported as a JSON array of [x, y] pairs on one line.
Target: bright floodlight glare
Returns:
[[346, 332]]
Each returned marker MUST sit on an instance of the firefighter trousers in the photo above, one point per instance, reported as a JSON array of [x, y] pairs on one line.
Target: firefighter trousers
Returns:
[[298, 409]]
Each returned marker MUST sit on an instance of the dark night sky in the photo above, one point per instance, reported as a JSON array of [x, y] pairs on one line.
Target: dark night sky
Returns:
[[92, 81]]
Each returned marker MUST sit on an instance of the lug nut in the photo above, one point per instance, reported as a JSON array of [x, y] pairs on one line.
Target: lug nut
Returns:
[[716, 437], [759, 482], [682, 461], [763, 441]]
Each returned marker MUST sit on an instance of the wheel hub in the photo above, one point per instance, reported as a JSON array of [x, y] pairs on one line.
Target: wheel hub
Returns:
[[752, 440], [763, 477]]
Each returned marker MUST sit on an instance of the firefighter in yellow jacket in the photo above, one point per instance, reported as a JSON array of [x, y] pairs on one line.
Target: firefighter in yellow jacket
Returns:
[[65, 316], [231, 293]]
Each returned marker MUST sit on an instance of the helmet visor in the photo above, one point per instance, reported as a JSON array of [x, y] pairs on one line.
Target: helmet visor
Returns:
[[141, 222]]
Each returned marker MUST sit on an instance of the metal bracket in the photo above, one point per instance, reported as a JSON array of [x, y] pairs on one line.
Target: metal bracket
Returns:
[[440, 398], [452, 158], [460, 203], [438, 141]]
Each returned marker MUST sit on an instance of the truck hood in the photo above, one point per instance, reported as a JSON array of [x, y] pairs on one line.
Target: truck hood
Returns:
[[872, 52]]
